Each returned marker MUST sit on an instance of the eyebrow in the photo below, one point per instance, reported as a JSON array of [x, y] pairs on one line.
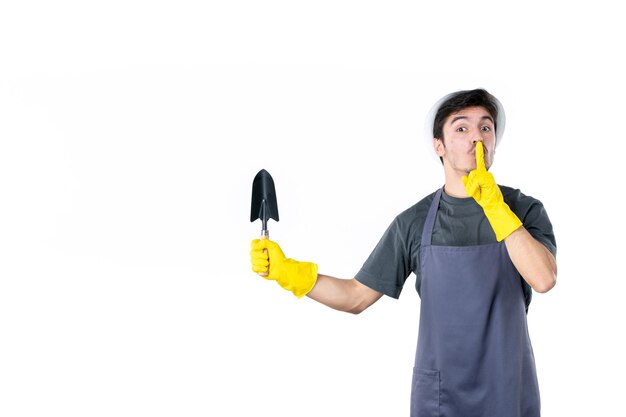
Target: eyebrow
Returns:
[[465, 117]]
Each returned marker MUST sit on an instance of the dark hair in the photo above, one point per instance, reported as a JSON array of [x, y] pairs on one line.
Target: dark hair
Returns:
[[461, 100]]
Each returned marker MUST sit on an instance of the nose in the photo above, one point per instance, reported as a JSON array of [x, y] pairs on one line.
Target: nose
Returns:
[[477, 135]]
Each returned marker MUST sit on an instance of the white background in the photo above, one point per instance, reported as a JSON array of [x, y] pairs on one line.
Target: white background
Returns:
[[130, 133]]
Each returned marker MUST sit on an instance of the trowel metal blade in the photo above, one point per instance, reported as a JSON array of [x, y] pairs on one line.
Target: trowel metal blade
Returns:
[[264, 205]]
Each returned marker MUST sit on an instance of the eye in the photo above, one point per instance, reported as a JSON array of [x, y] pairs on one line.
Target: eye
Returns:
[[461, 129], [486, 128]]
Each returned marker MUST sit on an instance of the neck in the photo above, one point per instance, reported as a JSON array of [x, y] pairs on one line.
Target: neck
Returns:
[[455, 190], [454, 184]]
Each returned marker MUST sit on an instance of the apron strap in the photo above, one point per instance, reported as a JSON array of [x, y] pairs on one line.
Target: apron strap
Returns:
[[427, 233]]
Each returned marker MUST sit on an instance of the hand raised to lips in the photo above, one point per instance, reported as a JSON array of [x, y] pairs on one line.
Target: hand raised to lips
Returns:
[[478, 176]]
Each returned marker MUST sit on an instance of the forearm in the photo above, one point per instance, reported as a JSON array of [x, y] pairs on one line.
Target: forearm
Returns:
[[347, 295], [532, 259]]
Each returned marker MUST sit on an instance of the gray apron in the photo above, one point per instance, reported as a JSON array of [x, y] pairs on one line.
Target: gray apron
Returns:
[[474, 356]]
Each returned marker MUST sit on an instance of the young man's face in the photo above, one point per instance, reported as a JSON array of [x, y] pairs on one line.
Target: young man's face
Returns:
[[461, 131]]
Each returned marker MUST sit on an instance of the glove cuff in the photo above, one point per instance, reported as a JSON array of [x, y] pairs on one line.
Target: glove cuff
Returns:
[[308, 278], [298, 277], [503, 221]]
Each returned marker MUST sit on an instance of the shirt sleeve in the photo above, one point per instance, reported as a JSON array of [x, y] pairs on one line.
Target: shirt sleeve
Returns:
[[533, 216], [389, 264], [538, 224]]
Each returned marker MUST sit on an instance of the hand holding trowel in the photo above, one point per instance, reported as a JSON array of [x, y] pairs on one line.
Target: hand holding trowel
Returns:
[[294, 276]]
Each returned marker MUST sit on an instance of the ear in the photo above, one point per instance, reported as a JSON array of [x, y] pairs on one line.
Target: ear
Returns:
[[440, 148]]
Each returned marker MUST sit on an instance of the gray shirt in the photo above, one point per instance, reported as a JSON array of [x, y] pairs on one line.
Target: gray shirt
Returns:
[[459, 222]]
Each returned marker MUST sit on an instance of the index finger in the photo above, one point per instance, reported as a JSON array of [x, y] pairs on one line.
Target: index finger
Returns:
[[480, 157], [258, 244]]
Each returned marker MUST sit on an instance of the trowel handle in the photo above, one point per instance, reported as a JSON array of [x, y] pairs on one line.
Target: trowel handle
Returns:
[[264, 235]]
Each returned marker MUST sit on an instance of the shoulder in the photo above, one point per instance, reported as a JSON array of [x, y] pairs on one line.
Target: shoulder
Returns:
[[412, 219], [417, 210], [533, 215], [514, 193], [521, 204]]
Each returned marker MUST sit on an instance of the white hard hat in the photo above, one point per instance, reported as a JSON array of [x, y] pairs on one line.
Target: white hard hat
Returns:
[[430, 121]]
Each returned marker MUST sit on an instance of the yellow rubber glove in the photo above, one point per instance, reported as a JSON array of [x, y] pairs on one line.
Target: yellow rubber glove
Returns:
[[294, 276], [481, 185]]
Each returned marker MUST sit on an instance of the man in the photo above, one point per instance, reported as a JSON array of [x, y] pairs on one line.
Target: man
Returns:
[[476, 249]]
